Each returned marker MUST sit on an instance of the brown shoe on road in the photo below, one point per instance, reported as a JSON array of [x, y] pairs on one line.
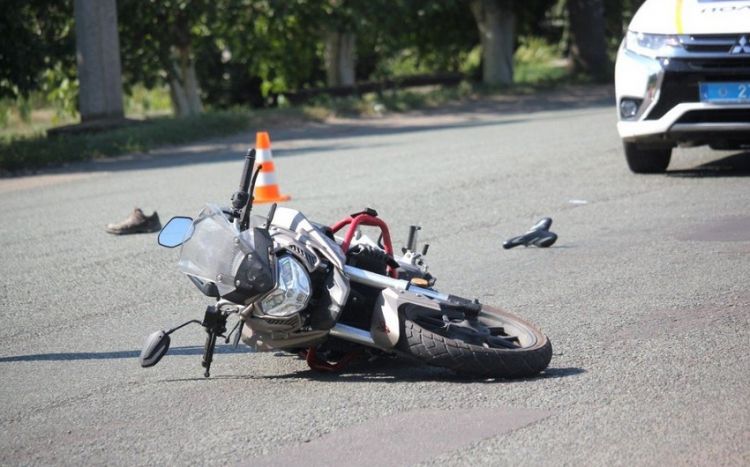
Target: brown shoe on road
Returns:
[[136, 222]]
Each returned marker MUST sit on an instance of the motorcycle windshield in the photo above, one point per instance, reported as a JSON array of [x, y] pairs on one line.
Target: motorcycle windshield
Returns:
[[215, 249]]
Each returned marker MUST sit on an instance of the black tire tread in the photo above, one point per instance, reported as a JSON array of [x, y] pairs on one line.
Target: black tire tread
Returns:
[[473, 360], [647, 160]]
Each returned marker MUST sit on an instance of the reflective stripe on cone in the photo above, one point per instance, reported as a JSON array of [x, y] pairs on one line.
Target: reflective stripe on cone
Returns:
[[266, 186]]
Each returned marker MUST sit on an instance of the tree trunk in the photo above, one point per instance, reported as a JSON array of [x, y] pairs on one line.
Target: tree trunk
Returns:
[[98, 56], [588, 48], [183, 83], [340, 58], [496, 24]]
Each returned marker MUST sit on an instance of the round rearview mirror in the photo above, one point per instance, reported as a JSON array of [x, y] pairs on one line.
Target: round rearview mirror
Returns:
[[156, 346], [176, 232]]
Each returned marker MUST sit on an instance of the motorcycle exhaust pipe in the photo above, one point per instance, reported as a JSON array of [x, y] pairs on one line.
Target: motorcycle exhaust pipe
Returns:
[[352, 334]]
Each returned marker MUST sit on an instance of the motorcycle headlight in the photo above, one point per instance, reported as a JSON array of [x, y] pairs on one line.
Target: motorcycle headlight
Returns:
[[292, 290], [652, 45]]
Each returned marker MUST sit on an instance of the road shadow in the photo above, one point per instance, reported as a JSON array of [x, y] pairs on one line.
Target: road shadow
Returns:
[[396, 370], [115, 355], [233, 149], [387, 369], [734, 165], [566, 98]]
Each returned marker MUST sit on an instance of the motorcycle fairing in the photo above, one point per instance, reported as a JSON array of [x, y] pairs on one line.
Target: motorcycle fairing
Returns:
[[236, 262], [385, 326], [293, 220], [332, 304], [293, 233], [299, 245], [291, 229], [306, 248]]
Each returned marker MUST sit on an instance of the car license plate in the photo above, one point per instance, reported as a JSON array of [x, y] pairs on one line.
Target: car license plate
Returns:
[[726, 93]]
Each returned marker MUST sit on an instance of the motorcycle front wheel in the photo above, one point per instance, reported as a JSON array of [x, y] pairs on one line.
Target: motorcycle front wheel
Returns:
[[495, 344]]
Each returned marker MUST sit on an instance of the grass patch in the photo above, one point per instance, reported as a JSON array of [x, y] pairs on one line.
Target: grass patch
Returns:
[[541, 73], [28, 153], [539, 77]]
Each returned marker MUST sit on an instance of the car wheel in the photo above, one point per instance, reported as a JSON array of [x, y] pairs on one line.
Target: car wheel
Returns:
[[647, 161]]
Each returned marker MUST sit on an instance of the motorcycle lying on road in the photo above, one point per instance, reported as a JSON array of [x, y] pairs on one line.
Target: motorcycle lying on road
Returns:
[[295, 286]]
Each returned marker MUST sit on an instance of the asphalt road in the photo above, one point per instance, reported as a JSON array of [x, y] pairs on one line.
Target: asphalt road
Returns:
[[645, 298]]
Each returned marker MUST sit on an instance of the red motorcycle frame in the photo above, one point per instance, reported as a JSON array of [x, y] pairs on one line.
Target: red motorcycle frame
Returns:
[[368, 218]]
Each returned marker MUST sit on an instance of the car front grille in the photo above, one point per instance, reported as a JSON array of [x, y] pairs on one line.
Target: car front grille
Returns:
[[682, 78], [713, 44], [735, 65]]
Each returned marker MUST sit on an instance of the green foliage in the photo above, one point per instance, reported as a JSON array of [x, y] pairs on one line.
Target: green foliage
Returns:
[[537, 62], [245, 50], [37, 35], [61, 91], [251, 52], [535, 49], [539, 73], [618, 14], [24, 116], [5, 107], [471, 65], [401, 37], [24, 109], [149, 29], [538, 18], [143, 102]]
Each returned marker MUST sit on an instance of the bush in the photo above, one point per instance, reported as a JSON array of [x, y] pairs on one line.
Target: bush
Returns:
[[538, 62]]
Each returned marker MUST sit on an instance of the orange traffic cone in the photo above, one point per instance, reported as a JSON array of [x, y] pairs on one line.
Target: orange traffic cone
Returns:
[[266, 188]]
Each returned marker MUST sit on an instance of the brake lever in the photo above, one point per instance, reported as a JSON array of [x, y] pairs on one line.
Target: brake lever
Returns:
[[236, 339], [237, 336]]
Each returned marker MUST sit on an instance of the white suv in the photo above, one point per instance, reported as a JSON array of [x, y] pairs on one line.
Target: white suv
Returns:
[[683, 77]]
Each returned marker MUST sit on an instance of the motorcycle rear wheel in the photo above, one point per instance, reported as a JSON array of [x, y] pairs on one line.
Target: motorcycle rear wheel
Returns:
[[497, 345]]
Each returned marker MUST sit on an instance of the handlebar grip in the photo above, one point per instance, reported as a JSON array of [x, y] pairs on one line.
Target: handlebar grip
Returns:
[[241, 197], [247, 171]]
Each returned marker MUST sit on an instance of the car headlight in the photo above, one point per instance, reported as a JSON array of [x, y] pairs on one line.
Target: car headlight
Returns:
[[652, 45], [292, 290]]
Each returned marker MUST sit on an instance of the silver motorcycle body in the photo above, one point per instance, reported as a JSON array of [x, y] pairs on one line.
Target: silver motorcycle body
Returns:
[[213, 253], [295, 286]]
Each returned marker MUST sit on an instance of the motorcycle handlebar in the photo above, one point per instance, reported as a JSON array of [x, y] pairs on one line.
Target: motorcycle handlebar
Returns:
[[247, 171], [242, 198]]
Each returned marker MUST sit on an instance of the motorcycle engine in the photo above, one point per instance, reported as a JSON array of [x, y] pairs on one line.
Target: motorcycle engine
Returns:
[[369, 258], [362, 298]]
